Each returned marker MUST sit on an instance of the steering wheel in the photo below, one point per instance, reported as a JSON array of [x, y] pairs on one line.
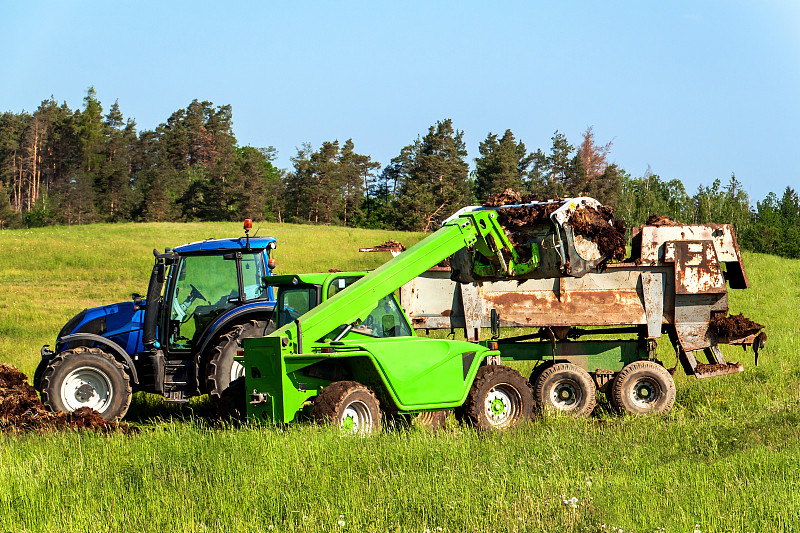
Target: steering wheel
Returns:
[[194, 294]]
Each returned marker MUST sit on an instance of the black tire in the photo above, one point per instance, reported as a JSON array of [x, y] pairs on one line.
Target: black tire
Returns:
[[38, 373], [350, 406], [567, 389], [536, 372], [643, 387], [86, 377], [221, 369], [500, 398], [233, 402]]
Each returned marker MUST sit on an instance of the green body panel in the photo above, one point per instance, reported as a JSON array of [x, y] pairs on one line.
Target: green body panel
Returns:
[[589, 355], [276, 379], [412, 373], [421, 372]]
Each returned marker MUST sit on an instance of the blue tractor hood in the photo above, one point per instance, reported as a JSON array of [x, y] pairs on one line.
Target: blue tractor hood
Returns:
[[120, 322]]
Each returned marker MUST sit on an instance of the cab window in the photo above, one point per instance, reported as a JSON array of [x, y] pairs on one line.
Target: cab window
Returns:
[[386, 320], [337, 285], [293, 302], [253, 272], [205, 286]]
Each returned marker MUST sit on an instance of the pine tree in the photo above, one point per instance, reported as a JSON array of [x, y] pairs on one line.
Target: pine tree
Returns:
[[503, 164], [433, 176]]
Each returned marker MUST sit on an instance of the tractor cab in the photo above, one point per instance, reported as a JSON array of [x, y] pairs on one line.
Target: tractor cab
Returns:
[[205, 281]]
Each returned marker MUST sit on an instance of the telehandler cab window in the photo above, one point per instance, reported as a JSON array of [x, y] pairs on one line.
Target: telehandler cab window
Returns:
[[386, 320], [294, 302]]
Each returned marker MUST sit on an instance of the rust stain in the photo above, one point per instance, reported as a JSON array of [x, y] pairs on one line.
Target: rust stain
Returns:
[[586, 308]]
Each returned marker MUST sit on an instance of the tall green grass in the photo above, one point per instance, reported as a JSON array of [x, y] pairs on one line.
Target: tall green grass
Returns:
[[727, 458]]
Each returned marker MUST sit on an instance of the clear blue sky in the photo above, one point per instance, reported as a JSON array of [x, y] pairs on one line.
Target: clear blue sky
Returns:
[[695, 90]]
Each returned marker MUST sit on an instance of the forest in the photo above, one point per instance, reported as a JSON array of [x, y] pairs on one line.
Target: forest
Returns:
[[64, 166]]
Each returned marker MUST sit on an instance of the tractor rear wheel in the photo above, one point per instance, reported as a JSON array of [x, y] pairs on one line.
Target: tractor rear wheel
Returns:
[[222, 370], [565, 388], [349, 405], [643, 387], [86, 377], [500, 398]]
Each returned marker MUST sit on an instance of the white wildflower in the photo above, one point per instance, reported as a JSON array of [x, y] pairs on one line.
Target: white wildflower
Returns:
[[571, 502]]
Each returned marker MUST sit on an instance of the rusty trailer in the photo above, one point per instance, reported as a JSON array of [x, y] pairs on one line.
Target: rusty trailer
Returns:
[[675, 283]]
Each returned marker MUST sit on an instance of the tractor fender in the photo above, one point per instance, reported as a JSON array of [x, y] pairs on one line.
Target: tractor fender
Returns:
[[235, 316], [116, 350]]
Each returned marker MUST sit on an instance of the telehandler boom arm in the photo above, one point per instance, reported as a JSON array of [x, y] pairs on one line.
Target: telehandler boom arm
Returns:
[[495, 257]]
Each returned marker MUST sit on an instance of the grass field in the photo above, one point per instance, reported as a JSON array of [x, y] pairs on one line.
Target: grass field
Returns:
[[727, 458]]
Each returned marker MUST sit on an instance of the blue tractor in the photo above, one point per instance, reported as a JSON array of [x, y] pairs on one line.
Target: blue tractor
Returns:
[[180, 341]]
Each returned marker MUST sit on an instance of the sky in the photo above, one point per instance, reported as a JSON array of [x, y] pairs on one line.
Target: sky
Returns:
[[687, 90]]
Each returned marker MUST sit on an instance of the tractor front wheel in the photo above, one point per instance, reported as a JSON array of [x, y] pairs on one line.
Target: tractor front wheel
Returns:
[[643, 387], [500, 398], [565, 388], [86, 377], [349, 405]]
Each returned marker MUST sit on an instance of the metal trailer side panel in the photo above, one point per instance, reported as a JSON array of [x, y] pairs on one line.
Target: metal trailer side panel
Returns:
[[624, 295]]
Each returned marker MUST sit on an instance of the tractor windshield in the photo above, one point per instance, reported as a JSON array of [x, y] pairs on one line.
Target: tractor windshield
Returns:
[[204, 287]]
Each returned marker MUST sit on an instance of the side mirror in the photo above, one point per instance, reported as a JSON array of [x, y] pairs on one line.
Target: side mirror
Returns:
[[495, 324], [161, 275]]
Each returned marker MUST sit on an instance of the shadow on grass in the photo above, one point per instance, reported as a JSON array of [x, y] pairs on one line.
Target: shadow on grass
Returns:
[[150, 409]]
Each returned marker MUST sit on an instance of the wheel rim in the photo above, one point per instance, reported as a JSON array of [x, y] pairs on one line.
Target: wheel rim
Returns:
[[356, 418], [645, 393], [502, 405], [87, 387], [237, 370], [565, 396]]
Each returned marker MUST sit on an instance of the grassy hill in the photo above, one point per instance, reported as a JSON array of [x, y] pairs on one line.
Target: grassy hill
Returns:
[[726, 457]]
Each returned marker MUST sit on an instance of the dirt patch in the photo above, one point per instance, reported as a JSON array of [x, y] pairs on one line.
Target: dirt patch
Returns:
[[512, 197], [507, 197], [388, 246], [595, 224], [658, 221], [21, 409], [599, 225], [718, 368], [733, 326]]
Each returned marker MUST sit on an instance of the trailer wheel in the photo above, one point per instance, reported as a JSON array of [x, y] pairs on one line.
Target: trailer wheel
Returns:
[[222, 370], [500, 398], [350, 406], [643, 387], [86, 377], [537, 371], [565, 388]]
